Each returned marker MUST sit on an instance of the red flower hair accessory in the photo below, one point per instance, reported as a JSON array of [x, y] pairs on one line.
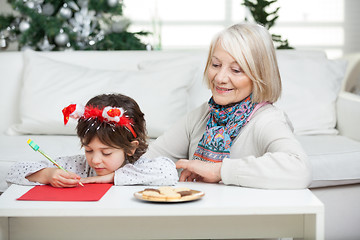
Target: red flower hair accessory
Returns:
[[107, 114]]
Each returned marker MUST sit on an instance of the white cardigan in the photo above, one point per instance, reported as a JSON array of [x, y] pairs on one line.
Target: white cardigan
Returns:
[[265, 154]]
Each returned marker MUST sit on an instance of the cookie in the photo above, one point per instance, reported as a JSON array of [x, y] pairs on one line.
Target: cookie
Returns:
[[180, 189], [153, 195], [166, 189], [152, 189], [172, 196], [185, 193]]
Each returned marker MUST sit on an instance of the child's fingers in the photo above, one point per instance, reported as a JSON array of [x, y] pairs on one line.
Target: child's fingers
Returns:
[[70, 181], [71, 175], [65, 182], [62, 178]]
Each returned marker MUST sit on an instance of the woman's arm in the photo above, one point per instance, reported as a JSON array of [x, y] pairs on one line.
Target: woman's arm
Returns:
[[278, 160], [266, 155]]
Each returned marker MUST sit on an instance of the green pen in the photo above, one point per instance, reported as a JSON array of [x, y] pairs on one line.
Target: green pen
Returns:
[[36, 148]]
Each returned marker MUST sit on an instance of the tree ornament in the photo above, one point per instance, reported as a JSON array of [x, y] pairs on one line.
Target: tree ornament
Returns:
[[24, 26], [30, 4], [10, 32], [65, 11], [83, 3], [83, 22], [105, 23], [61, 39], [35, 4], [48, 9], [73, 6], [120, 23], [149, 47], [112, 3], [45, 45], [68, 47], [3, 42]]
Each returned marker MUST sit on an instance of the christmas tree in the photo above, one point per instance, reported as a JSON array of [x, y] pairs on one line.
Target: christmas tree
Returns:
[[53, 25], [258, 9]]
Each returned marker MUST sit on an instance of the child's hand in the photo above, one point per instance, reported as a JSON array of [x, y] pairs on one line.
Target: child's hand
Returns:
[[61, 178], [55, 177], [109, 178]]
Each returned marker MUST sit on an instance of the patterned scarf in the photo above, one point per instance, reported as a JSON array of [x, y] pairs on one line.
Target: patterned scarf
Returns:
[[222, 127]]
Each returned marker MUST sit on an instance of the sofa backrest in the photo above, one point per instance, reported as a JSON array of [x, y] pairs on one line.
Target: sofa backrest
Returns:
[[24, 70], [167, 84]]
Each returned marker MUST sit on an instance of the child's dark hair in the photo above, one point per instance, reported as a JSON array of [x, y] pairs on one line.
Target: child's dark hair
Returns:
[[111, 134]]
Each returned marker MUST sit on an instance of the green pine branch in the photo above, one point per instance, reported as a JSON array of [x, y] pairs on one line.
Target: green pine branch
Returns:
[[261, 15], [102, 6], [5, 21]]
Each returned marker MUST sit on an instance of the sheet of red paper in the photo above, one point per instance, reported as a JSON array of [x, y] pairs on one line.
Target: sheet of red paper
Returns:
[[90, 192]]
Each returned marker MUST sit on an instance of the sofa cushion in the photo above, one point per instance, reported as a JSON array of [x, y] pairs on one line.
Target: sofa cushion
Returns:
[[49, 86], [198, 90], [335, 160], [311, 84]]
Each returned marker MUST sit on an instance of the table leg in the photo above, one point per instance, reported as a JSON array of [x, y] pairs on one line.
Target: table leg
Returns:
[[4, 228], [314, 227]]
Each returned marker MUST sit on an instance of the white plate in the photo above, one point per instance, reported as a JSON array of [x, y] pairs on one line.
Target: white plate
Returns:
[[194, 196]]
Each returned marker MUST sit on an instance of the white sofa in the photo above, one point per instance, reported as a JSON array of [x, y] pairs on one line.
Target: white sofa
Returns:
[[35, 86]]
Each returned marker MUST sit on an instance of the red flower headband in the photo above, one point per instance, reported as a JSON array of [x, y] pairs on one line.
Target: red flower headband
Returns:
[[107, 114]]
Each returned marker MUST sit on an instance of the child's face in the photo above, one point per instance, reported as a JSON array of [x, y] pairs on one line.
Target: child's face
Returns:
[[102, 158]]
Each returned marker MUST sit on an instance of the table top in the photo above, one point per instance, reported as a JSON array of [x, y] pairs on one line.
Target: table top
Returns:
[[119, 201]]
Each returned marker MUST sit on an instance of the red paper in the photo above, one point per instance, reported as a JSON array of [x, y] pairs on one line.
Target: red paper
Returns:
[[90, 192]]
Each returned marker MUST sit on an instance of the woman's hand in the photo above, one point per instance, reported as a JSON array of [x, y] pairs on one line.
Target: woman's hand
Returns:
[[55, 177], [196, 170], [109, 178]]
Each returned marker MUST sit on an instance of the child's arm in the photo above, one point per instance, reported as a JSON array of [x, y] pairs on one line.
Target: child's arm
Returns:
[[55, 177], [109, 178], [35, 173], [145, 171]]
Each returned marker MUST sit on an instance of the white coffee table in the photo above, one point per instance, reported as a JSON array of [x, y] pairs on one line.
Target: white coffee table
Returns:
[[224, 212]]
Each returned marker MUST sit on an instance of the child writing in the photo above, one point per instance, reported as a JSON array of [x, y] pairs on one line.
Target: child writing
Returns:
[[112, 130]]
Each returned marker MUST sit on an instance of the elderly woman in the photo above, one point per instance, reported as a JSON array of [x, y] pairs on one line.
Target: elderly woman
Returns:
[[239, 137]]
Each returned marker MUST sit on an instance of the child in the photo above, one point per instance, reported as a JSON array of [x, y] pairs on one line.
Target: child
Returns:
[[112, 130]]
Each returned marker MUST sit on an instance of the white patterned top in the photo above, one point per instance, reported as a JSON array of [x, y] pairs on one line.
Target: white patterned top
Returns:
[[145, 171]]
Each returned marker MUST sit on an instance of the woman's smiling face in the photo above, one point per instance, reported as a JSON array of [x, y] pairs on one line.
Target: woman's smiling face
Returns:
[[228, 83]]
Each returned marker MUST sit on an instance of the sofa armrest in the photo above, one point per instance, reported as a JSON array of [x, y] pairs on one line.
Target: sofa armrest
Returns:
[[348, 115]]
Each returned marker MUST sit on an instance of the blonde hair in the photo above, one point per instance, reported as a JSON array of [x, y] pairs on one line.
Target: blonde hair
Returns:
[[252, 48]]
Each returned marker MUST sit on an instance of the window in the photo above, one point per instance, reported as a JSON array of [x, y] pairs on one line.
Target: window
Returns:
[[191, 24]]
